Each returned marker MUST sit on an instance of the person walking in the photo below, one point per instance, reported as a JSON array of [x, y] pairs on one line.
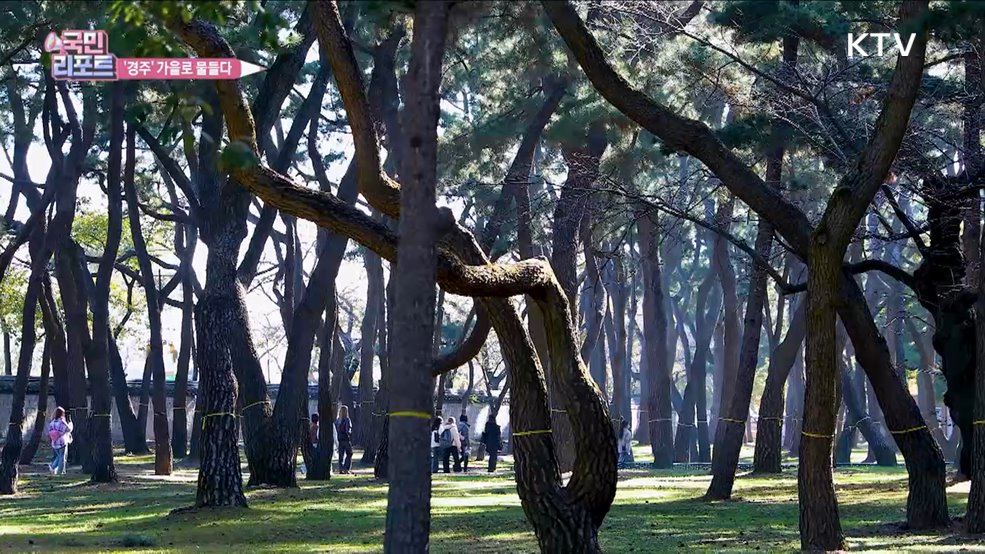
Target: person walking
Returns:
[[465, 431], [493, 439], [625, 444], [60, 433], [343, 427], [435, 444], [450, 443]]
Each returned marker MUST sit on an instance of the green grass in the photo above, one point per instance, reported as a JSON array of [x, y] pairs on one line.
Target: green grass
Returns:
[[654, 511]]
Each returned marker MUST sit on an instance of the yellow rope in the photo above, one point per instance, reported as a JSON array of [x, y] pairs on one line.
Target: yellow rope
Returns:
[[660, 419], [559, 411], [409, 413], [910, 430], [537, 432], [258, 402], [101, 415], [979, 422], [816, 436], [204, 417], [730, 420]]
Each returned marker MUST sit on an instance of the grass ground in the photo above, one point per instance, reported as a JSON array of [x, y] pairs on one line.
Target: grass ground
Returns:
[[654, 511]]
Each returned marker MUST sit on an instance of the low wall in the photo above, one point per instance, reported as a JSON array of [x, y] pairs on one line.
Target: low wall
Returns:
[[477, 411]]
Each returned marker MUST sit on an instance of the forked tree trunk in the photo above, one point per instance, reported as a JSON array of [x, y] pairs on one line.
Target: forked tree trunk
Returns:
[[583, 165], [708, 305]]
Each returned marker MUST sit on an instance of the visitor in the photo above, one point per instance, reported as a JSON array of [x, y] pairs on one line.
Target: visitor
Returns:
[[625, 444], [60, 433], [313, 432], [450, 443], [435, 444], [312, 439], [343, 426], [464, 430], [492, 438]]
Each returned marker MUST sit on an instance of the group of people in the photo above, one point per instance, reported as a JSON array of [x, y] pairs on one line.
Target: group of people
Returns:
[[342, 438], [451, 440]]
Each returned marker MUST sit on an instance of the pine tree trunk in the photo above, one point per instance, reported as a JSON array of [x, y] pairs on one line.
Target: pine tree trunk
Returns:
[[320, 464], [408, 518], [11, 452], [621, 406], [658, 403], [185, 241], [731, 428], [769, 428], [820, 526], [220, 481], [41, 417], [728, 365], [367, 349], [162, 438], [134, 438]]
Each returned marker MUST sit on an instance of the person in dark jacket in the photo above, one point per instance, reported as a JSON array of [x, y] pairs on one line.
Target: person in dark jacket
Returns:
[[343, 429], [492, 438], [465, 432]]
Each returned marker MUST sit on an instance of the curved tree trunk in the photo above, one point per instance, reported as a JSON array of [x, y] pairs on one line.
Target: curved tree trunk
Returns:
[[731, 428], [41, 417], [11, 452], [162, 439], [769, 429], [185, 241]]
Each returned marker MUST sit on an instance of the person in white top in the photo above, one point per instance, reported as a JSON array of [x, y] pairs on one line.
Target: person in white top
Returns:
[[450, 443], [60, 433], [435, 444]]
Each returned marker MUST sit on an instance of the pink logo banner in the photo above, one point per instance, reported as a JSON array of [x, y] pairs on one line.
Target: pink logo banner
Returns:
[[83, 55]]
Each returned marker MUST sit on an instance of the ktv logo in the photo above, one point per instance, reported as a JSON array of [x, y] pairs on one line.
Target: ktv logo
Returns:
[[855, 43]]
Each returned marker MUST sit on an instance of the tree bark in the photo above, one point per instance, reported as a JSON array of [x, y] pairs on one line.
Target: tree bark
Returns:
[[185, 242], [367, 349], [658, 403], [769, 428], [11, 452], [103, 469], [731, 336], [583, 166], [409, 499], [41, 417], [731, 428], [162, 439]]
